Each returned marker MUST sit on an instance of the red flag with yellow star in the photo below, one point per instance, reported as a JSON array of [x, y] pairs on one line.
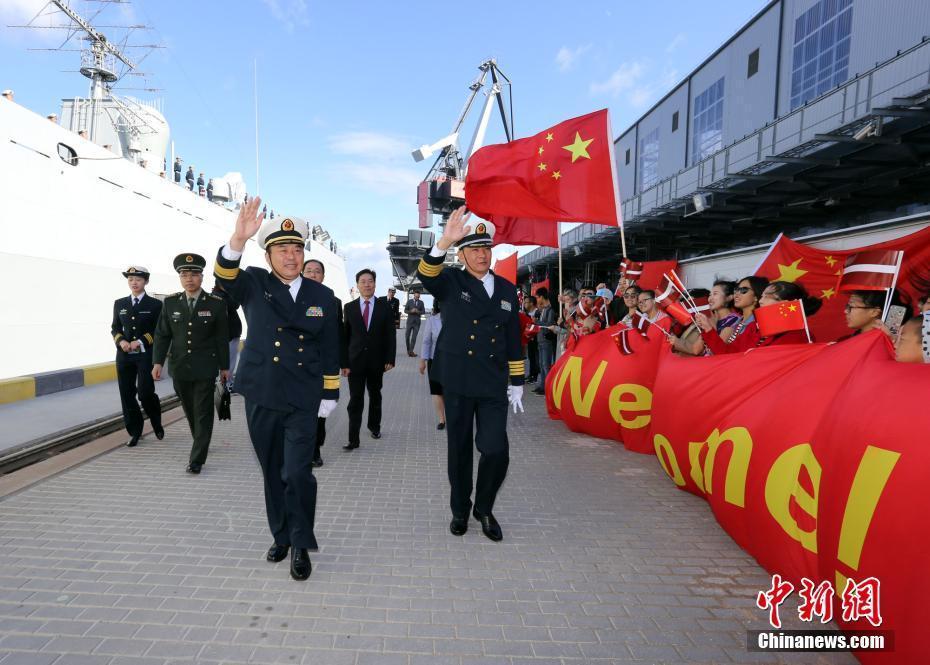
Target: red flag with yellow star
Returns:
[[820, 270], [781, 317], [562, 174]]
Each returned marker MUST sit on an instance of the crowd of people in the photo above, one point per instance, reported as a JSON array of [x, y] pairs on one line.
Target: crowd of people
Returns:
[[726, 325]]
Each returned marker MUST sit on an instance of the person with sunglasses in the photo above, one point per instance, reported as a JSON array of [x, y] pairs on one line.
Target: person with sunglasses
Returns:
[[630, 297], [746, 298]]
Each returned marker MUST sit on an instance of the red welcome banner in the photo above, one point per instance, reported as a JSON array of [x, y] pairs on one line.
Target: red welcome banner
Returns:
[[595, 389], [807, 459], [812, 457]]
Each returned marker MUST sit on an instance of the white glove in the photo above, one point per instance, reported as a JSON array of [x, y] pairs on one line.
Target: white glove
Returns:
[[515, 397], [327, 406]]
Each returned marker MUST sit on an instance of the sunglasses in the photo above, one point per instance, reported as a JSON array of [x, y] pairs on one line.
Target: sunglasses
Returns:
[[742, 289]]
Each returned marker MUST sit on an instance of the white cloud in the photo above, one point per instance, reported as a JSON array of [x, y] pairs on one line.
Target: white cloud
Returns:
[[380, 178], [369, 144], [291, 13], [567, 58], [622, 80], [368, 255]]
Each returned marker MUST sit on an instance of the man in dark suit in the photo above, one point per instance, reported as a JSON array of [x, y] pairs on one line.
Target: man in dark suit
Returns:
[[194, 326], [370, 352], [394, 304], [478, 351], [315, 270], [288, 372], [134, 319]]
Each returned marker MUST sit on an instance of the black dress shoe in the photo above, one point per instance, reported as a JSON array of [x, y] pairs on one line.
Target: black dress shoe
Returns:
[[133, 442], [539, 391], [159, 432], [489, 526], [376, 434], [277, 552], [300, 564], [350, 446], [194, 468], [317, 460], [441, 426], [458, 526]]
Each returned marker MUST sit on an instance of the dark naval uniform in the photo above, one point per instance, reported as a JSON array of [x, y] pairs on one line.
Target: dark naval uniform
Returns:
[[136, 322], [289, 364], [196, 343], [477, 352]]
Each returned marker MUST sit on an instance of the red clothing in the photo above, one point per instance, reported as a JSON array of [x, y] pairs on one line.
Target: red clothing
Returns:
[[750, 339], [528, 329]]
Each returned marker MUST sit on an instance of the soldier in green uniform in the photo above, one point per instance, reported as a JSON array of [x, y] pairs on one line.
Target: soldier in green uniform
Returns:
[[194, 326]]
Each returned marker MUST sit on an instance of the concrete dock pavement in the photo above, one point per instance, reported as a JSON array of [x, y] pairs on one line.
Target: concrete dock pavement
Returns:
[[128, 560]]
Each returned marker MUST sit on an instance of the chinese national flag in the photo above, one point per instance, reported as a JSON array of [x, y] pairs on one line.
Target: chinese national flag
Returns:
[[562, 174], [506, 267], [653, 276], [874, 270], [523, 231], [820, 270], [781, 317]]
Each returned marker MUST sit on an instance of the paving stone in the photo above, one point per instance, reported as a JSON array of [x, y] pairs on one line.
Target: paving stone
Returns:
[[603, 559]]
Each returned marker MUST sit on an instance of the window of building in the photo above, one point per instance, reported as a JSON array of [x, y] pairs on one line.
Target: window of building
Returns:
[[675, 121], [649, 160], [627, 155], [821, 49], [708, 122], [753, 66]]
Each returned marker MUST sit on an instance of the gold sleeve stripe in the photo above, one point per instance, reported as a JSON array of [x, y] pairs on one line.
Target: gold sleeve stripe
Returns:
[[225, 273], [517, 368], [117, 337], [330, 382], [429, 270], [148, 338]]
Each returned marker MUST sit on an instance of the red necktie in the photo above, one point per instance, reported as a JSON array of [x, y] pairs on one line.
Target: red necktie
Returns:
[[366, 314]]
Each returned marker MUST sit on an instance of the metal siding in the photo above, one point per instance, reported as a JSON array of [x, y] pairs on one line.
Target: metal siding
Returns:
[[880, 28]]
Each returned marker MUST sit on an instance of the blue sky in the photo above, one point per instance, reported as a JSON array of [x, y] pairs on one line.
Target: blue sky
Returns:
[[347, 90]]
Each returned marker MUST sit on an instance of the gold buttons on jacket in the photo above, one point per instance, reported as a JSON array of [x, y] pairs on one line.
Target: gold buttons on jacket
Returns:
[[188, 350], [300, 350], [300, 337], [275, 359], [492, 340], [475, 321], [191, 323], [188, 341], [470, 352], [280, 329], [300, 364], [277, 343], [133, 318], [471, 337]]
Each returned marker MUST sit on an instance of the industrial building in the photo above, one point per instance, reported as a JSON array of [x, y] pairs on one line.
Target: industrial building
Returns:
[[812, 120]]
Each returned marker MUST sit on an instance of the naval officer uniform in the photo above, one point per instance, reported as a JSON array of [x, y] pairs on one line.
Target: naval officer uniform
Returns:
[[193, 334], [134, 319], [476, 354], [289, 365]]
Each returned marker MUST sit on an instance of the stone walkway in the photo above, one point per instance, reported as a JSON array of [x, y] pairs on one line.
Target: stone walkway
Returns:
[[127, 560]]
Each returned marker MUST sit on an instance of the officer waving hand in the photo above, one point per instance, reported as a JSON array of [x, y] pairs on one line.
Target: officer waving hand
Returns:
[[477, 354]]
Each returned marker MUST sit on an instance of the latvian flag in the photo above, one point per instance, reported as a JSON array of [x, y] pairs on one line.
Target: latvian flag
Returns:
[[631, 270], [874, 270], [640, 324], [621, 339]]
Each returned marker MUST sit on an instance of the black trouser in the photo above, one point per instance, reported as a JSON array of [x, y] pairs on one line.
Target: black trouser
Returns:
[[320, 432], [410, 334], [284, 442], [490, 437], [359, 379], [197, 402], [135, 377], [532, 350]]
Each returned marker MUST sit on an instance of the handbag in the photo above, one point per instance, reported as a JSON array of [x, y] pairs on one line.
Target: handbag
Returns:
[[221, 400]]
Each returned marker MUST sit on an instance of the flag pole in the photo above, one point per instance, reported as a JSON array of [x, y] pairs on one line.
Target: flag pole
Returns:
[[804, 316], [558, 227], [613, 173], [894, 283]]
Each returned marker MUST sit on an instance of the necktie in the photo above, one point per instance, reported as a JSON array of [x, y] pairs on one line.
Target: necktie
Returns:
[[190, 304], [366, 314], [135, 301]]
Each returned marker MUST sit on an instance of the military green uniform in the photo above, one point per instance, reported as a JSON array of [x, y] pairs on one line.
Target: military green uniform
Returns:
[[196, 342]]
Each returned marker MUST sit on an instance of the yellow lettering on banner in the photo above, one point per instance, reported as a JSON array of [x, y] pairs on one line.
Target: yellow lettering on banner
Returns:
[[782, 485], [734, 490], [571, 373], [642, 401], [871, 477], [662, 444]]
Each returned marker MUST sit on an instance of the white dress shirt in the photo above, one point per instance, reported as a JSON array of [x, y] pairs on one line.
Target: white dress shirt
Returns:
[[232, 255]]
